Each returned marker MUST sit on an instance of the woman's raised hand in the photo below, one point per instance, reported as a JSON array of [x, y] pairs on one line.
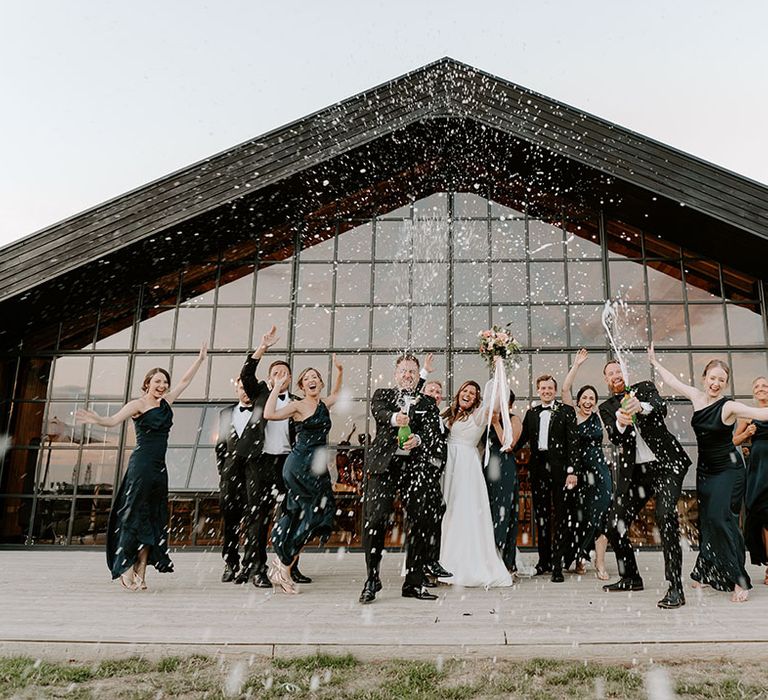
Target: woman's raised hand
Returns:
[[581, 357]]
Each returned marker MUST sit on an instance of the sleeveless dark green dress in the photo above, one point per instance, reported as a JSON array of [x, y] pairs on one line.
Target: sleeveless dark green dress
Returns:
[[503, 494], [756, 499], [720, 482], [139, 514], [309, 506]]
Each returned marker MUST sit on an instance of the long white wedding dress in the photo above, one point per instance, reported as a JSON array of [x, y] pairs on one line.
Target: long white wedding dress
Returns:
[[467, 547]]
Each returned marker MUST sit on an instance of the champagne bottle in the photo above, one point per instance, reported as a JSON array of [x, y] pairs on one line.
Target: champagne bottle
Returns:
[[627, 395], [403, 435]]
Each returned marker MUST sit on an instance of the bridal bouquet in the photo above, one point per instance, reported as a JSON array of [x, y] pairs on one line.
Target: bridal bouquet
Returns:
[[498, 347]]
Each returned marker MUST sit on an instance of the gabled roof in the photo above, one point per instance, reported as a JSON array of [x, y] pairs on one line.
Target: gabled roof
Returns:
[[445, 89]]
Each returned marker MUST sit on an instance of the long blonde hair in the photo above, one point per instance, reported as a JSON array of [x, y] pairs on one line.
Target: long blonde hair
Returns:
[[454, 412]]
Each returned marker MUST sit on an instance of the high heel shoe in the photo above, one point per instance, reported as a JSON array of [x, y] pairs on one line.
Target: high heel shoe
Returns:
[[278, 575], [128, 583]]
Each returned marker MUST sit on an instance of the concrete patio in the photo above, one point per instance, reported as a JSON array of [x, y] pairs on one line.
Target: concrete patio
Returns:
[[62, 605]]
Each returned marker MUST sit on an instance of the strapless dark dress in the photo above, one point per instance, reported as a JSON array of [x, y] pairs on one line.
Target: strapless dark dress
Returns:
[[139, 514], [756, 500], [503, 493], [309, 506], [720, 483]]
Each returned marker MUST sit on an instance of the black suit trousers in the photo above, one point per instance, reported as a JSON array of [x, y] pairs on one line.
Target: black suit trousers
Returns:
[[550, 508], [422, 500], [646, 481]]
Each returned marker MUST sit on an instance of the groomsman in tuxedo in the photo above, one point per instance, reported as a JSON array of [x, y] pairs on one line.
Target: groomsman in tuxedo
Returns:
[[550, 431], [250, 453], [407, 471], [652, 463], [434, 388]]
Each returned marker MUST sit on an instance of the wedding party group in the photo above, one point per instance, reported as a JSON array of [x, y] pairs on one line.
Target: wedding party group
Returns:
[[454, 471]]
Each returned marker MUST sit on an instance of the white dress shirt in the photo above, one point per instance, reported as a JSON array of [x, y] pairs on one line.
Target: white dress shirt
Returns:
[[277, 438], [240, 418], [643, 453], [544, 419]]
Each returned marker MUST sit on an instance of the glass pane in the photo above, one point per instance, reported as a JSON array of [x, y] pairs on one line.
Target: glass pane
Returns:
[[585, 281], [707, 324], [349, 419], [319, 244], [266, 317], [468, 367], [516, 316], [391, 283], [430, 239], [315, 284], [70, 376], [392, 240], [109, 340], [352, 327], [548, 326], [665, 280], [355, 374], [382, 371], [429, 326], [178, 461], [197, 285], [58, 470], [519, 380], [469, 204], [430, 283], [156, 330], [627, 280], [196, 388], [623, 241], [436, 205], [225, 369], [186, 424], [510, 282], [52, 517], [91, 521], [313, 328], [210, 433], [390, 327], [583, 241], [546, 241], [232, 329], [204, 474], [746, 367], [499, 210], [668, 323], [470, 282], [678, 364], [108, 377], [555, 365], [547, 281], [236, 287], [92, 434], [273, 284], [98, 471], [468, 321], [353, 283], [679, 423], [508, 239], [470, 240], [357, 243], [586, 326], [745, 326], [702, 280], [403, 212], [193, 328]]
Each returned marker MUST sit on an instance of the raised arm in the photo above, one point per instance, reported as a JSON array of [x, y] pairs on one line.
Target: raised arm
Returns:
[[736, 409], [681, 388], [248, 372], [333, 397], [570, 378], [189, 375], [88, 417], [290, 410]]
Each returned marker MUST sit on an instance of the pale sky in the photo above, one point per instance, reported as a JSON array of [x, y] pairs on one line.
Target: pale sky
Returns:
[[100, 97]]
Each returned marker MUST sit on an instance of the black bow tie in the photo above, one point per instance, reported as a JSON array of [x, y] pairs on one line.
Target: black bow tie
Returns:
[[547, 408], [245, 408], [281, 396]]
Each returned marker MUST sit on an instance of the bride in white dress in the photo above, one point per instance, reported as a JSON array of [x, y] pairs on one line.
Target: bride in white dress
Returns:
[[468, 548]]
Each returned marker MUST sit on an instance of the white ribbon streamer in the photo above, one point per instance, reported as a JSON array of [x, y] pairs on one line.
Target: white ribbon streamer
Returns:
[[498, 387]]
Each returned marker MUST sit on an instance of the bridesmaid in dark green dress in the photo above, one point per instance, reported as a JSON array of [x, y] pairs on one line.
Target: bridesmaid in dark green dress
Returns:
[[720, 478], [138, 522], [756, 499], [309, 505]]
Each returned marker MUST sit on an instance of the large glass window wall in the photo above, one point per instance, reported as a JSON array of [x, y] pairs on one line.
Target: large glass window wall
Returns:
[[426, 277]]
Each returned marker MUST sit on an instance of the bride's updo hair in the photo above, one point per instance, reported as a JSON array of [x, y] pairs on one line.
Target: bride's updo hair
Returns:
[[454, 413]]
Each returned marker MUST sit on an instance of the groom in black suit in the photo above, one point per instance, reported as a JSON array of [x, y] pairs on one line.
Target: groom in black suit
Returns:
[[652, 463], [550, 430], [407, 471]]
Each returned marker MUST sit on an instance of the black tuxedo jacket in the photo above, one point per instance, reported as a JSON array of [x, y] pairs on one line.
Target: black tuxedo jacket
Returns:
[[562, 446], [251, 443], [669, 452], [425, 422]]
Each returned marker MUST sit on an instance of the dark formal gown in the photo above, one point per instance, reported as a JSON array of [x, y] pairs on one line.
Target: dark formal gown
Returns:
[[757, 495], [596, 484], [139, 515], [309, 505], [501, 480], [720, 482]]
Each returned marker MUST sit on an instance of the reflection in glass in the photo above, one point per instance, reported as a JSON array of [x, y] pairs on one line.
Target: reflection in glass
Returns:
[[204, 474], [235, 287], [702, 280], [353, 283], [106, 340], [70, 376], [178, 461], [707, 324], [627, 280], [583, 241], [313, 327], [664, 280], [547, 281], [668, 324], [273, 284], [232, 327], [98, 471], [91, 434], [210, 432], [470, 282], [548, 327], [58, 470], [108, 377], [186, 424], [586, 326], [746, 327], [390, 327], [356, 243], [508, 239], [745, 367], [351, 327], [51, 523]]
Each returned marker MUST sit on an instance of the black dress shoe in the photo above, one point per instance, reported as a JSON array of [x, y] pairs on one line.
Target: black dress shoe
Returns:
[[674, 599], [625, 584], [242, 577], [428, 583], [261, 580], [557, 576], [435, 569], [371, 587], [418, 592], [298, 577], [229, 574], [542, 569]]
